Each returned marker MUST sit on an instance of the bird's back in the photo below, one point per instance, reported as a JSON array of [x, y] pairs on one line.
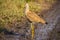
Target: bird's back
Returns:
[[34, 17]]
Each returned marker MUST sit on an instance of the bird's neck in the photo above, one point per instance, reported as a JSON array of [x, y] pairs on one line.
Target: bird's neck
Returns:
[[27, 8]]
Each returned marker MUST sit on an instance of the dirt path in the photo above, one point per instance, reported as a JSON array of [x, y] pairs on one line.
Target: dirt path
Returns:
[[43, 31]]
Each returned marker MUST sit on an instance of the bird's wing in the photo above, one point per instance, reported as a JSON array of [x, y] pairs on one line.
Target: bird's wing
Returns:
[[34, 17]]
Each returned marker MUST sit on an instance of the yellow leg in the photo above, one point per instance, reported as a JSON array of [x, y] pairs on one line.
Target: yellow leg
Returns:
[[32, 31]]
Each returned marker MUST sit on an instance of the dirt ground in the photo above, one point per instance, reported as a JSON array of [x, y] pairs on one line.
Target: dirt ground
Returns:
[[51, 31]]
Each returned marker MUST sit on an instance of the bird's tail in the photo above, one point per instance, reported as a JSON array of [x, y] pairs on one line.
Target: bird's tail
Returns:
[[43, 21]]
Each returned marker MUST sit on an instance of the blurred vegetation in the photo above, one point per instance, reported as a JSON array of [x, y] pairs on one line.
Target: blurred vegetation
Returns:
[[12, 10]]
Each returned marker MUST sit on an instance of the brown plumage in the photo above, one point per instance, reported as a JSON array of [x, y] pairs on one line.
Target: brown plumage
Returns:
[[32, 16]]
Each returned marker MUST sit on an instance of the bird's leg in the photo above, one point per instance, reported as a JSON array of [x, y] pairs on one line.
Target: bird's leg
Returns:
[[32, 31]]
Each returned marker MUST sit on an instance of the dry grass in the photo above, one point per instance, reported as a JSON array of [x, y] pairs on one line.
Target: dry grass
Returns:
[[12, 10]]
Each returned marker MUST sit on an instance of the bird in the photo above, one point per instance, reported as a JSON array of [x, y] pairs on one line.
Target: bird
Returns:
[[33, 17]]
